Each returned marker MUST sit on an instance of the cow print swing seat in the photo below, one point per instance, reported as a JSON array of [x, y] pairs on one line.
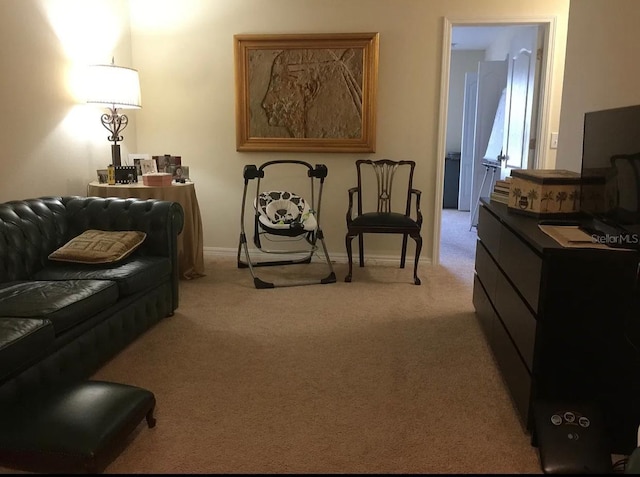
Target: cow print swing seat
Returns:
[[283, 217], [285, 213]]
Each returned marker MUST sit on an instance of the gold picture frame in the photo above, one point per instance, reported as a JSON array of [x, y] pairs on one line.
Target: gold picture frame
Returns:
[[306, 92]]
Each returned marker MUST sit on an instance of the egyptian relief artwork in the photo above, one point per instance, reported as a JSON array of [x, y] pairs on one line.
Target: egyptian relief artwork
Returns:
[[306, 93]]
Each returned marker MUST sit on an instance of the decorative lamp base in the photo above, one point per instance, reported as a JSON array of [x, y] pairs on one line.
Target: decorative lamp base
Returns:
[[115, 155]]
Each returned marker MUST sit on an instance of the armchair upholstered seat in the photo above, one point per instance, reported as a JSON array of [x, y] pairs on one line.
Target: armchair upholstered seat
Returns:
[[384, 220]]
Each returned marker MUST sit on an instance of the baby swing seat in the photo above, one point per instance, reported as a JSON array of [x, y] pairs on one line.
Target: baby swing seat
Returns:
[[287, 215]]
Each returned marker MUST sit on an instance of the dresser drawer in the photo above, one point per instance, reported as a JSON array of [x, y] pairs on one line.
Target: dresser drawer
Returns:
[[489, 229], [484, 310], [514, 372], [522, 265], [517, 319], [487, 270]]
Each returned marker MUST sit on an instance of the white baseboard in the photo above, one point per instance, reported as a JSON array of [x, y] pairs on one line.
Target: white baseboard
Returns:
[[382, 260]]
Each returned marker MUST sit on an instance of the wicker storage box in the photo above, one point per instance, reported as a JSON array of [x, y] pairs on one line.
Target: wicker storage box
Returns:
[[544, 192], [158, 179]]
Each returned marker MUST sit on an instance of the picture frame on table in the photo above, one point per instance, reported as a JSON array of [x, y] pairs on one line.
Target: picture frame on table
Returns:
[[134, 160], [179, 173], [103, 176], [165, 161], [174, 160], [148, 166]]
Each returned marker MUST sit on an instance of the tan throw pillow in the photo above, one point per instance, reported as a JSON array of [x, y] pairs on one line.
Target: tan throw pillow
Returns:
[[99, 246]]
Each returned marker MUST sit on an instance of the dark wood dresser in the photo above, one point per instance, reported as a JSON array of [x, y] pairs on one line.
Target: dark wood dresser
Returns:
[[562, 323]]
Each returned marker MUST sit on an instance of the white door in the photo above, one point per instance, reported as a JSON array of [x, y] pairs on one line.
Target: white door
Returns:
[[468, 140], [522, 90], [492, 79]]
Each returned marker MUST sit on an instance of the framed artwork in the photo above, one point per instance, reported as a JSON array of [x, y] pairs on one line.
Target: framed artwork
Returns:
[[148, 166], [306, 92]]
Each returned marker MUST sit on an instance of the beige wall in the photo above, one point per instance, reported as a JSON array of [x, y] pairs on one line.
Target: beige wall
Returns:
[[185, 57], [184, 52], [52, 144], [602, 68]]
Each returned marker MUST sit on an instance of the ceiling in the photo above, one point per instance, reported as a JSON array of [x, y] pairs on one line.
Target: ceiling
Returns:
[[474, 37]]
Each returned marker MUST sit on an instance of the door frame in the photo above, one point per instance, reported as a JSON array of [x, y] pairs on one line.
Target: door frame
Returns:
[[544, 101]]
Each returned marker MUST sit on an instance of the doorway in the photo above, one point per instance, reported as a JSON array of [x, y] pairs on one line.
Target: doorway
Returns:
[[486, 52]]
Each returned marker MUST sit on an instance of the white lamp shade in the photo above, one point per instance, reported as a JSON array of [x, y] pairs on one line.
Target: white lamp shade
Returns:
[[113, 86]]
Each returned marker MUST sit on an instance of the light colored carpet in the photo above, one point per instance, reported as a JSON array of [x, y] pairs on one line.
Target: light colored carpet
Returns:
[[373, 376]]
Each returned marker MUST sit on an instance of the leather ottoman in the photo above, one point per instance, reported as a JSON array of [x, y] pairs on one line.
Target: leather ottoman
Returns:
[[79, 428]]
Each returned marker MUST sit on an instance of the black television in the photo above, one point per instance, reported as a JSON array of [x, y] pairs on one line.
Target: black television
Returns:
[[610, 175]]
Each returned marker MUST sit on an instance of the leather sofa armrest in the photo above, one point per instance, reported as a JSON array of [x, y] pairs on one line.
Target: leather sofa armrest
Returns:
[[22, 341]]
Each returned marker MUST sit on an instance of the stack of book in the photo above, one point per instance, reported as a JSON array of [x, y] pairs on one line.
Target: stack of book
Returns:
[[501, 191]]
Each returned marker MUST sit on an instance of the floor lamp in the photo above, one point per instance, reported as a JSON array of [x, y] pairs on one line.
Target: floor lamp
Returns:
[[114, 87]]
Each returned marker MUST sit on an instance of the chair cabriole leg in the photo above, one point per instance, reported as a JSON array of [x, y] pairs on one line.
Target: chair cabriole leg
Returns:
[[348, 240], [403, 256], [418, 240]]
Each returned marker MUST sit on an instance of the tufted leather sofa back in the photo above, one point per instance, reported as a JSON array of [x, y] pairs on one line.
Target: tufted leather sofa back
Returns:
[[31, 229], [162, 221]]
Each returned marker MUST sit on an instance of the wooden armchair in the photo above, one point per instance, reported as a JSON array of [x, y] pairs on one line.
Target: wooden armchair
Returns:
[[379, 217]]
